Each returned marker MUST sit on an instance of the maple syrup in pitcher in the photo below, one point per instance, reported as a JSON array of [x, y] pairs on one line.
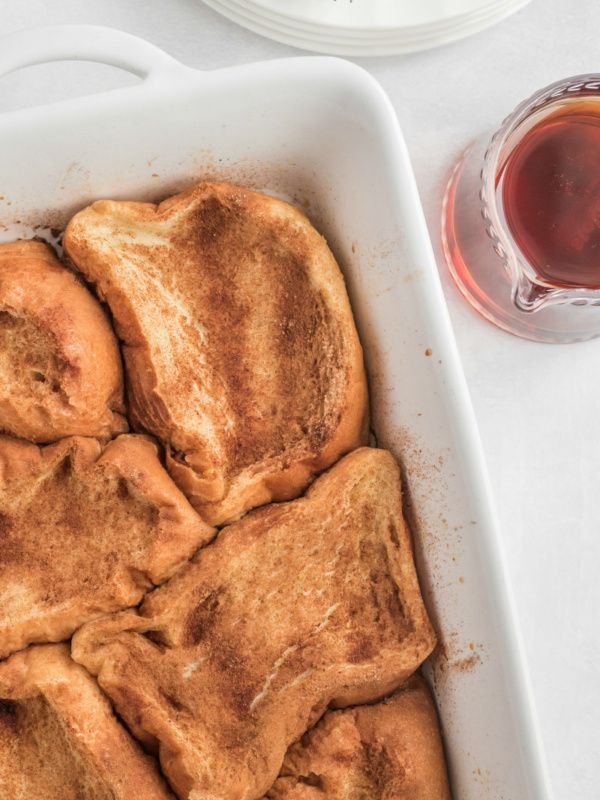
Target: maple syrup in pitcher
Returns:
[[550, 188], [521, 217]]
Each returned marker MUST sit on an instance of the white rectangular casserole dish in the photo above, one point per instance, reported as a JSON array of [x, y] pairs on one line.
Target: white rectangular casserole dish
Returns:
[[320, 132]]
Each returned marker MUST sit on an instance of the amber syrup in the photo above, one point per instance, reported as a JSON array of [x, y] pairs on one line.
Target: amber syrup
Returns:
[[549, 188]]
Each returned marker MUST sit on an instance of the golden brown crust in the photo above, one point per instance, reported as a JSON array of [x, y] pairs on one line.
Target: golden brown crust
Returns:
[[295, 607], [254, 378], [59, 738], [84, 532], [388, 751], [60, 365]]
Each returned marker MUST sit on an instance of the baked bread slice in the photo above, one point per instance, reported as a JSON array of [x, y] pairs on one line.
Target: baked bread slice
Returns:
[[295, 607], [239, 343], [60, 365], [388, 751], [84, 532], [59, 738]]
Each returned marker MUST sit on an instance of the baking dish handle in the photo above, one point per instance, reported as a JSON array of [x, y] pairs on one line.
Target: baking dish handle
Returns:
[[83, 43]]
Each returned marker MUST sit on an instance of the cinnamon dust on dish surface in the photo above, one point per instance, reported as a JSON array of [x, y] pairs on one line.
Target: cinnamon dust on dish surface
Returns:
[[448, 655]]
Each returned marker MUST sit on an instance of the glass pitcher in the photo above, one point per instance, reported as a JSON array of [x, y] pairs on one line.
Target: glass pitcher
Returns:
[[485, 259]]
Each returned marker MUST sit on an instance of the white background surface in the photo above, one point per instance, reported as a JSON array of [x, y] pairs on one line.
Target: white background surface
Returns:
[[538, 406]]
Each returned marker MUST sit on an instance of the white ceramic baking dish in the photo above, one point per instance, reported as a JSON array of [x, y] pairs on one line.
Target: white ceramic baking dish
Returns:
[[320, 132]]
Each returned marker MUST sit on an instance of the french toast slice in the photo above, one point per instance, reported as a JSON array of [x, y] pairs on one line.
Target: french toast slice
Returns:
[[83, 532], [296, 607], [388, 751], [60, 364], [60, 739], [239, 343]]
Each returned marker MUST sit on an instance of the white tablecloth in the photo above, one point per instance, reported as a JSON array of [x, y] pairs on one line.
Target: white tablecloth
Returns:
[[538, 406]]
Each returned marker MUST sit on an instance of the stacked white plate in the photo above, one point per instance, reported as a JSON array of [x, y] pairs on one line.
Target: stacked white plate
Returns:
[[366, 27]]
